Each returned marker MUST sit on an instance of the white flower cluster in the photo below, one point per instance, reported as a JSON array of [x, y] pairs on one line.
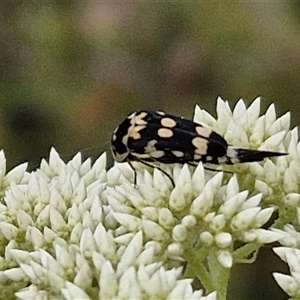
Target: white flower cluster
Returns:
[[58, 240], [76, 231]]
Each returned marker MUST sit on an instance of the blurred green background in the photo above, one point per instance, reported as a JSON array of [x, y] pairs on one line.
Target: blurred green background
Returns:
[[72, 70]]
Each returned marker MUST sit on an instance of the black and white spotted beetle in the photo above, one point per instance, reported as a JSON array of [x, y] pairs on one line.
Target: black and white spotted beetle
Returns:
[[155, 136]]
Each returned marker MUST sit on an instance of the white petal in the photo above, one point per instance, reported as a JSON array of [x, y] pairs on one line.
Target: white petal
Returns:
[[114, 176], [49, 262], [132, 223], [258, 131], [273, 142], [79, 193], [129, 287], [28, 293], [157, 246], [24, 220], [262, 187], [124, 239], [161, 182], [2, 165], [224, 115], [265, 236], [180, 290], [298, 215], [16, 274], [203, 117], [18, 199], [57, 201], [64, 258], [117, 201], [151, 213], [130, 254], [20, 256], [282, 123], [73, 292], [206, 238], [85, 167], [74, 215], [217, 223], [175, 249], [290, 256], [96, 210], [108, 284], [292, 200], [84, 276], [36, 237], [75, 163], [232, 188], [16, 174], [57, 221], [287, 283], [179, 233], [225, 259], [223, 239], [202, 204], [256, 170], [153, 230], [9, 230], [67, 188], [198, 179], [252, 202], [30, 272], [234, 204], [55, 161], [239, 111], [270, 115], [165, 218], [178, 201], [105, 242], [262, 217], [253, 112], [290, 181], [204, 201], [236, 135], [189, 221], [183, 179], [243, 219], [146, 257], [87, 242], [100, 164]]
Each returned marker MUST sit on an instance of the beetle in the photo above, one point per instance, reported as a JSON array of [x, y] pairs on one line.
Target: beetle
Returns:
[[156, 136]]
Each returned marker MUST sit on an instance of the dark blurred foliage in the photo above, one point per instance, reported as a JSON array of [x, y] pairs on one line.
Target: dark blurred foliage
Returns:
[[72, 70]]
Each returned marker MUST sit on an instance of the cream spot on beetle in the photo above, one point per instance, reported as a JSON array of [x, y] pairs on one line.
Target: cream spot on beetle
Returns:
[[125, 139], [165, 133], [223, 159], [157, 154], [139, 119], [203, 131], [120, 157], [200, 144], [131, 116], [168, 122], [135, 132], [231, 152], [160, 113], [178, 153], [140, 155], [150, 147], [197, 157]]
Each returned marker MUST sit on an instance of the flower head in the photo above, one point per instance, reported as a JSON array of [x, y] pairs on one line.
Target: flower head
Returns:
[[74, 230]]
